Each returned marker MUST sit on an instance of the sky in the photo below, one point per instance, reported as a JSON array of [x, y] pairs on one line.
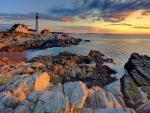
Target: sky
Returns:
[[79, 16]]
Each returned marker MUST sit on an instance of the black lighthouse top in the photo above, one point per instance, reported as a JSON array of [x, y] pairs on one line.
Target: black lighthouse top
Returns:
[[37, 15]]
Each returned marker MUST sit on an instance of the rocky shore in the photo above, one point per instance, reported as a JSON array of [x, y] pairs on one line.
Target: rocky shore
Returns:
[[136, 83], [69, 83], [20, 45]]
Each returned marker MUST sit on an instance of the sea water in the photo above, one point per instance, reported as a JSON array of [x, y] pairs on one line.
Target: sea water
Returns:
[[118, 47]]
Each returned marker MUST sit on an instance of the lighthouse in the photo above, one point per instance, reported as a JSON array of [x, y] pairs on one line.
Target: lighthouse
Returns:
[[37, 24]]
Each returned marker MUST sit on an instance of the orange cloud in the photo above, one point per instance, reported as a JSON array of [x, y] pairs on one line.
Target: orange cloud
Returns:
[[69, 19], [117, 16]]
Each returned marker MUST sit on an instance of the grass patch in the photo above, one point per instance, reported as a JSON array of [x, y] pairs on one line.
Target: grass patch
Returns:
[[3, 80]]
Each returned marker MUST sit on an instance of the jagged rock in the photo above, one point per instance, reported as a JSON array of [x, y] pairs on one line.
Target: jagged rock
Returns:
[[99, 98], [139, 79], [91, 75], [21, 87], [115, 89], [47, 60], [42, 82], [8, 100], [138, 67], [74, 72], [22, 91], [40, 43], [105, 72], [34, 96], [64, 57], [29, 104], [37, 65], [95, 55], [133, 85], [19, 81], [56, 87], [58, 69], [145, 108], [126, 110], [146, 88], [69, 67], [22, 109], [132, 94], [28, 70], [53, 102], [29, 44], [76, 92], [4, 109], [71, 96], [85, 59], [87, 40], [88, 110], [25, 107]]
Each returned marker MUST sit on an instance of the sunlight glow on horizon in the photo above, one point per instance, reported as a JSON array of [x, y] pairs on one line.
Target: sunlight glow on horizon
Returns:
[[136, 24]]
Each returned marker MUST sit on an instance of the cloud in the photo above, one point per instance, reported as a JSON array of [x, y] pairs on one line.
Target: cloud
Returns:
[[15, 16], [69, 19], [121, 24], [141, 27], [108, 10], [29, 16], [82, 29], [95, 10], [145, 13], [32, 16]]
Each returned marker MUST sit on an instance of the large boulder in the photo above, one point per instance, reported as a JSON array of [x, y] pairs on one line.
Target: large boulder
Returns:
[[135, 84], [42, 82], [115, 89], [133, 96], [8, 100], [28, 105], [122, 110], [125, 110], [99, 98], [145, 108], [22, 91], [95, 55], [52, 102], [138, 67], [76, 92]]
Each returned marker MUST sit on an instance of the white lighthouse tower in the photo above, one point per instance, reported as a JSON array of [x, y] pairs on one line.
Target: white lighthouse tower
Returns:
[[37, 24]]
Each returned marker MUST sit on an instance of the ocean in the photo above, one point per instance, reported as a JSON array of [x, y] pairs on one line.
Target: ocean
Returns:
[[118, 47]]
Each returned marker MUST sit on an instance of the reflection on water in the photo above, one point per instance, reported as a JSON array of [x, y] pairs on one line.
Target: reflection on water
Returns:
[[118, 47]]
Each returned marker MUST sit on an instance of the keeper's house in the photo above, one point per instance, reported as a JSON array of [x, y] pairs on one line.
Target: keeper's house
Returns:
[[21, 28]]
